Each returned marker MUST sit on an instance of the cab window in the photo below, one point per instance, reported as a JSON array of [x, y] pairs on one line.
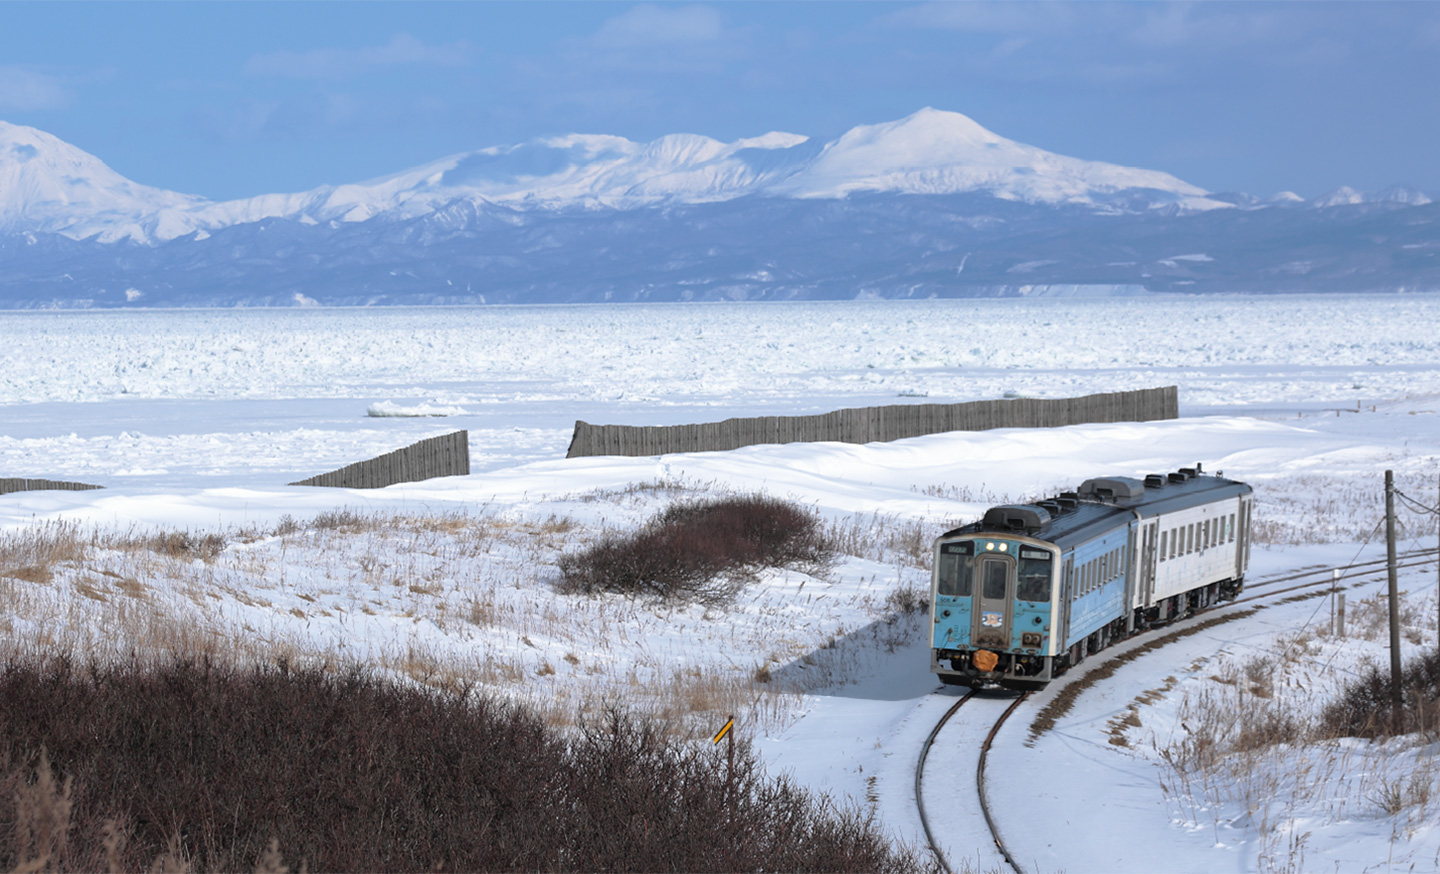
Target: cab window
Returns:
[[1034, 582], [955, 570], [996, 575]]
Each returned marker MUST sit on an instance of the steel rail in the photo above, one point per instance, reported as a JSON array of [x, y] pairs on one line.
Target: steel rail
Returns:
[[980, 782], [1346, 582], [1269, 581], [919, 773]]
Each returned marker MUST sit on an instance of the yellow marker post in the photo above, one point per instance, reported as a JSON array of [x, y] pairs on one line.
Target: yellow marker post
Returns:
[[729, 762]]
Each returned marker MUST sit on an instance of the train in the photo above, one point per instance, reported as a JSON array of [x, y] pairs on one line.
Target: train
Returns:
[[1031, 590]]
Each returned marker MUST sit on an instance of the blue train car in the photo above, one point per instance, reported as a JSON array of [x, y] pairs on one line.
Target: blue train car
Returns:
[[1032, 589]]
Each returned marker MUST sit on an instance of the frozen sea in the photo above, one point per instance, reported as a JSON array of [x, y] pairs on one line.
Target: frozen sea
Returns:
[[167, 398]]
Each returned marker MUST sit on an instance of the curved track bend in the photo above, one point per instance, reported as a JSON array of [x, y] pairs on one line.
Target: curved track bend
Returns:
[[979, 779]]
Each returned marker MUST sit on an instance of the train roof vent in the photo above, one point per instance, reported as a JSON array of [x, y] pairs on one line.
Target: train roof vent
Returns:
[[1017, 517], [1113, 488], [1179, 476], [1154, 480], [1067, 504], [1190, 471], [1051, 506]]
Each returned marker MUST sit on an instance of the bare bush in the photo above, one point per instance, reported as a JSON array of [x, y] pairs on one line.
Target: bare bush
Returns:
[[193, 765], [701, 551], [1365, 708]]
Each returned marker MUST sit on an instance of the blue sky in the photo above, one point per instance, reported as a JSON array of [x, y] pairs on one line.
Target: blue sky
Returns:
[[237, 99]]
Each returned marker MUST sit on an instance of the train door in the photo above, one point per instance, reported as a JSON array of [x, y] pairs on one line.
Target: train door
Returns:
[[1147, 563], [993, 600], [1136, 570], [1242, 542], [1066, 597]]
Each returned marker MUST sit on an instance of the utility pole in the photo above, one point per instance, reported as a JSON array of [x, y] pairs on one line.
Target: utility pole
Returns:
[[1396, 717]]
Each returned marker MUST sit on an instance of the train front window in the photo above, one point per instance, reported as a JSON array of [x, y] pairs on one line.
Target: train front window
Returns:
[[956, 563], [996, 576], [1034, 582]]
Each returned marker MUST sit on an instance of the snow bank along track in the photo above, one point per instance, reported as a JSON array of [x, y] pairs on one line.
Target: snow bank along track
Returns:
[[979, 779]]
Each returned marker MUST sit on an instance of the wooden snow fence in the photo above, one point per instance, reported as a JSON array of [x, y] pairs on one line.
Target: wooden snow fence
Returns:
[[876, 424], [446, 455], [8, 485]]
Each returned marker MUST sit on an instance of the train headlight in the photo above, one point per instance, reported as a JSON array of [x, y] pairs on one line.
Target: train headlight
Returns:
[[989, 547], [1004, 546]]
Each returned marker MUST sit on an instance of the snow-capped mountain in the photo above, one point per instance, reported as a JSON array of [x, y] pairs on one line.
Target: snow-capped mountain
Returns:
[[930, 205], [48, 185]]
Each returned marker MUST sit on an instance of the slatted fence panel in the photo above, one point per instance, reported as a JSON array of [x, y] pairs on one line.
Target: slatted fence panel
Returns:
[[8, 485], [876, 424], [446, 455]]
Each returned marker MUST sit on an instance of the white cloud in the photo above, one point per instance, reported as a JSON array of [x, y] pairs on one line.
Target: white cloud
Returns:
[[24, 89], [647, 25], [994, 18], [402, 50]]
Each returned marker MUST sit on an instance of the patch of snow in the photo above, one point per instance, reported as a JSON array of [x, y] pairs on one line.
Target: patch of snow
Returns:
[[390, 409]]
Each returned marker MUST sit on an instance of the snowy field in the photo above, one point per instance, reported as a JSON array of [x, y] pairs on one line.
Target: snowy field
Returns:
[[195, 419]]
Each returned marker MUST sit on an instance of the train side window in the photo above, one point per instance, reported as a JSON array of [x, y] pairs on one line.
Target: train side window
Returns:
[[1162, 545], [1231, 526], [1174, 545], [1190, 538], [1205, 534], [956, 563]]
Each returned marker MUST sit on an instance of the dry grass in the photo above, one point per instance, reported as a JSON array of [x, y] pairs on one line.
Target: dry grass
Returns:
[[450, 603]]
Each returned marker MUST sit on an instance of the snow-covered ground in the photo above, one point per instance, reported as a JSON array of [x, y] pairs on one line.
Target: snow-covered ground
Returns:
[[195, 419]]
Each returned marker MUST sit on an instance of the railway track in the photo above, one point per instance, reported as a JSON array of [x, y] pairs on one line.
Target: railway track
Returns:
[[1357, 572], [1408, 555], [979, 780], [1312, 578]]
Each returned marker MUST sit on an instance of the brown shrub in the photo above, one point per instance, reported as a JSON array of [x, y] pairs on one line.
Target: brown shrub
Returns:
[[699, 550], [195, 765], [1365, 708]]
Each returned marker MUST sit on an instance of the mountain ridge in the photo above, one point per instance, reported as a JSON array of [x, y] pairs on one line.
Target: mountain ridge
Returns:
[[49, 185], [932, 205]]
